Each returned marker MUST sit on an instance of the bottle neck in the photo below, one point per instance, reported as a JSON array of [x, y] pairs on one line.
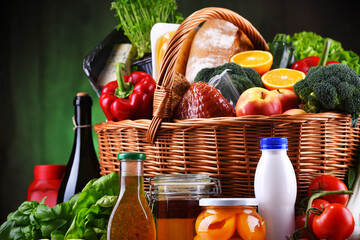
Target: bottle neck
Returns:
[[82, 111], [274, 151], [131, 179], [82, 118], [131, 168]]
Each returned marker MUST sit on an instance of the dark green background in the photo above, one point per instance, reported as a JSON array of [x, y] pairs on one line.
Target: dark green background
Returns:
[[43, 44]]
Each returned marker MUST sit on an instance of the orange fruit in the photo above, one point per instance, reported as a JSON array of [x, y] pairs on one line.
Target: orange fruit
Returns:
[[213, 225], [261, 61], [251, 226], [281, 78]]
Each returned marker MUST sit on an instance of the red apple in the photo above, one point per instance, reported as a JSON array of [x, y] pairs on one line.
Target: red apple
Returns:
[[294, 111], [258, 101], [287, 98]]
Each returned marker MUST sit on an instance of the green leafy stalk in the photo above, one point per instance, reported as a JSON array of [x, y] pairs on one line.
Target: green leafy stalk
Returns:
[[325, 53], [137, 17]]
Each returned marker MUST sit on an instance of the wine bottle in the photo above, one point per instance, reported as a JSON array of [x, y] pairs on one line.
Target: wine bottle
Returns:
[[83, 164]]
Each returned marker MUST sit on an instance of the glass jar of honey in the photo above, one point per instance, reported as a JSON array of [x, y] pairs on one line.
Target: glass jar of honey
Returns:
[[229, 218], [175, 203]]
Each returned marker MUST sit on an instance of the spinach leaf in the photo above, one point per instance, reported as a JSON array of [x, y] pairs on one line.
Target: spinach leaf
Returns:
[[5, 229], [44, 213]]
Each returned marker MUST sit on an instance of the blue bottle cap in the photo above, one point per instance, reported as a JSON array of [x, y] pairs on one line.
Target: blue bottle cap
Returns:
[[273, 143]]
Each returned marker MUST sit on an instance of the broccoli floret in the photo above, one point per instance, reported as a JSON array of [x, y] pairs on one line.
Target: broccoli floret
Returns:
[[242, 78], [335, 87], [326, 94], [204, 75], [254, 76]]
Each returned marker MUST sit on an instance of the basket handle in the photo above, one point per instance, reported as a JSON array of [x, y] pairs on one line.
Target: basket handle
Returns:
[[162, 96]]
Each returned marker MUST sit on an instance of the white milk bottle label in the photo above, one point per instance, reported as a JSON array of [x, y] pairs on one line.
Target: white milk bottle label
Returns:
[[275, 188]]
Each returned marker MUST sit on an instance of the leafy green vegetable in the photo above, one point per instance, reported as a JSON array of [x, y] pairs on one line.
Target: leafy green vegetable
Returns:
[[137, 17], [311, 44], [84, 216], [351, 176]]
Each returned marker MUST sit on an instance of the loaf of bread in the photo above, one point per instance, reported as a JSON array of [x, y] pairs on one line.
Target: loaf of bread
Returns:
[[213, 45]]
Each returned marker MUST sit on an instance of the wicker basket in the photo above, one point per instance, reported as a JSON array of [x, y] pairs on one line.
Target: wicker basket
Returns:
[[227, 148]]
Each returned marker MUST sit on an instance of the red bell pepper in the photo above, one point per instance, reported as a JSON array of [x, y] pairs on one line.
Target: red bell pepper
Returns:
[[128, 97], [304, 64]]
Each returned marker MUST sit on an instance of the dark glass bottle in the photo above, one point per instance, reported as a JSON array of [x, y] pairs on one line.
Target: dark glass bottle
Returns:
[[83, 164]]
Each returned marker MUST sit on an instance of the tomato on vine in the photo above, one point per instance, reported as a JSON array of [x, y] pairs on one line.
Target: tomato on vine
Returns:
[[329, 183], [317, 205], [334, 223]]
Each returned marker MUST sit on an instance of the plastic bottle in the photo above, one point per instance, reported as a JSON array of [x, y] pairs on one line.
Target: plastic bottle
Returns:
[[276, 188], [131, 217], [47, 179], [83, 164]]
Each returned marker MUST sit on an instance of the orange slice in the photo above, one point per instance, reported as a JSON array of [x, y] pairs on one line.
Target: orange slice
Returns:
[[261, 61], [281, 78]]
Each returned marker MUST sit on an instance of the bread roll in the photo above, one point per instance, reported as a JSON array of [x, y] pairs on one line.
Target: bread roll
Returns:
[[213, 45]]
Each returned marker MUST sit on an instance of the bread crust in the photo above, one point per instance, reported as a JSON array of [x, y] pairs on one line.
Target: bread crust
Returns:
[[213, 45]]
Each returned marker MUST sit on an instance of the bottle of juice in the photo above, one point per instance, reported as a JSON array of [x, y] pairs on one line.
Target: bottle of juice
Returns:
[[131, 217], [276, 188]]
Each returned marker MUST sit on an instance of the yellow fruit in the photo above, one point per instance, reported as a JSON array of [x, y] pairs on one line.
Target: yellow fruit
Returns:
[[281, 78], [261, 61]]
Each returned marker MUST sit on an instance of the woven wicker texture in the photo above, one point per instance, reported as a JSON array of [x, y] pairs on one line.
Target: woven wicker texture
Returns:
[[227, 148]]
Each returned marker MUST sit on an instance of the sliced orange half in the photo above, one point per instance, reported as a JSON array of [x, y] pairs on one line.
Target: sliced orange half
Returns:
[[281, 78], [261, 61]]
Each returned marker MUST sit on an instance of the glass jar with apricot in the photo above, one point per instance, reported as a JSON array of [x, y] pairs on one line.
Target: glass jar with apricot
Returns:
[[229, 219], [175, 203]]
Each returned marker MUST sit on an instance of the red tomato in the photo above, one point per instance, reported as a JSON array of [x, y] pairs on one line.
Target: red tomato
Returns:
[[330, 183], [300, 219], [317, 203], [300, 223], [335, 223]]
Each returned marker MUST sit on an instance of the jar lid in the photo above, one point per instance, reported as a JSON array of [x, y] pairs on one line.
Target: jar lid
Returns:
[[46, 172], [273, 143], [131, 155], [181, 179], [228, 202]]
